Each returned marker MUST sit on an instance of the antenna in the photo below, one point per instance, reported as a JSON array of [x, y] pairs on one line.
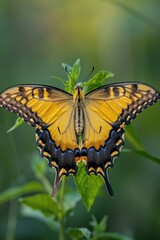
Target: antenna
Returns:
[[88, 75], [66, 69]]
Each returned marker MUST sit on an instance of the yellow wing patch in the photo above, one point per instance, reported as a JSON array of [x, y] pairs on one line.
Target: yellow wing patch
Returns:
[[43, 107]]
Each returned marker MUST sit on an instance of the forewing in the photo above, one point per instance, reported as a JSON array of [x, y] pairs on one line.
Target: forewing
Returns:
[[107, 111]]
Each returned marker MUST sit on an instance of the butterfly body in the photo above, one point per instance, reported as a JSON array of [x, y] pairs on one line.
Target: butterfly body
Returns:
[[79, 127], [78, 100]]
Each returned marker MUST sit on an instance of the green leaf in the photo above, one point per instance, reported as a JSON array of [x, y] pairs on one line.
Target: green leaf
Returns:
[[113, 236], [133, 138], [67, 68], [76, 69], [99, 227], [139, 149], [88, 185], [78, 233], [48, 220], [38, 165], [14, 192], [96, 81], [143, 153], [42, 202], [147, 155], [70, 202], [73, 74], [59, 79], [18, 123], [40, 168]]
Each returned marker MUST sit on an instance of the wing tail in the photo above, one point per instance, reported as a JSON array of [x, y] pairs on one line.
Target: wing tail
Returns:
[[56, 185], [107, 182]]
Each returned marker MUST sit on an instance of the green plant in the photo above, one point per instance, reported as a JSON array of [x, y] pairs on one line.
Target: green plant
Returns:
[[54, 211]]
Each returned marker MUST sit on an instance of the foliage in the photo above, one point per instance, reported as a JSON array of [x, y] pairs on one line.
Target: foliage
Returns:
[[84, 183], [54, 211]]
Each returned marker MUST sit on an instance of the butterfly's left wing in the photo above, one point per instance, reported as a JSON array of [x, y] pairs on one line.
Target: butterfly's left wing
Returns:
[[51, 112], [106, 111]]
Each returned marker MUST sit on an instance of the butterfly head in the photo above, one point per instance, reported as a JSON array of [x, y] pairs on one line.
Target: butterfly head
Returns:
[[78, 85], [78, 93]]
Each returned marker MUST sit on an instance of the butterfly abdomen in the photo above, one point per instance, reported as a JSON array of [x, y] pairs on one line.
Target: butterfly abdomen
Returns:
[[78, 98], [79, 120]]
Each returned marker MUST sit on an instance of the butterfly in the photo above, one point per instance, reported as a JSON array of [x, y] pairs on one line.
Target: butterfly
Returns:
[[78, 127]]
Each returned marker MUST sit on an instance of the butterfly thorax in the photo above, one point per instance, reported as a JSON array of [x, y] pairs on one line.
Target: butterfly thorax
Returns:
[[78, 100]]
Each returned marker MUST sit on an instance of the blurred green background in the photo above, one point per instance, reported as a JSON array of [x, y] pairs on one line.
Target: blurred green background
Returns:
[[35, 37]]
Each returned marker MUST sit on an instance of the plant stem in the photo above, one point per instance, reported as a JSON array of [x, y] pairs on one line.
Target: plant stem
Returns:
[[132, 137], [46, 184], [62, 191], [61, 230], [12, 220]]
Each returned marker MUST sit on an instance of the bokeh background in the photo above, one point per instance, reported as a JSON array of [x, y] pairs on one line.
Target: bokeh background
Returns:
[[35, 37]]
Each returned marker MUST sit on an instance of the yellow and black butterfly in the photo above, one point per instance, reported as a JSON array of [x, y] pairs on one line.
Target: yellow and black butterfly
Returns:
[[73, 128]]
